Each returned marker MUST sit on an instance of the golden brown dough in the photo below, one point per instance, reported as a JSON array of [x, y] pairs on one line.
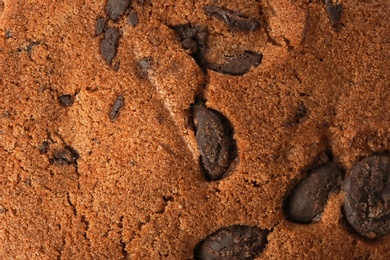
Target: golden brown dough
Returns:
[[76, 185]]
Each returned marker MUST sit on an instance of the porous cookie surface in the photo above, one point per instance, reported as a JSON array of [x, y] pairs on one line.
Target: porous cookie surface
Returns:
[[100, 153]]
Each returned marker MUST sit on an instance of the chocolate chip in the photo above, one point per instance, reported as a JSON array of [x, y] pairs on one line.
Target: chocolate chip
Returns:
[[190, 44], [8, 34], [299, 117], [116, 66], [308, 199], [109, 44], [68, 155], [66, 100], [194, 39], [187, 34], [238, 65], [29, 48], [100, 25], [132, 19], [186, 31], [44, 147], [143, 66], [214, 135], [232, 18], [116, 8], [114, 113], [367, 200], [334, 12], [234, 242]]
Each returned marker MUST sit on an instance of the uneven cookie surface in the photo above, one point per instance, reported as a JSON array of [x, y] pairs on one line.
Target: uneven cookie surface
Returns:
[[99, 153]]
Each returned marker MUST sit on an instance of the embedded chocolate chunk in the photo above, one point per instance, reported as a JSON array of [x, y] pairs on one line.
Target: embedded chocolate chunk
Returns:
[[109, 44], [308, 199], [114, 113], [334, 12], [367, 201], [216, 145], [232, 18], [143, 66], [100, 26], [194, 39], [132, 19], [68, 155], [44, 147], [299, 117], [190, 44], [238, 65], [234, 242], [116, 8], [66, 100]]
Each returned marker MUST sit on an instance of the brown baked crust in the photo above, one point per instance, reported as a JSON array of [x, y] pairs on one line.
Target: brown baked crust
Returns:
[[135, 189]]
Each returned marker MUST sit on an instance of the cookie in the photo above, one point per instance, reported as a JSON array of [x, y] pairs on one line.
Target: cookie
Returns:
[[194, 129]]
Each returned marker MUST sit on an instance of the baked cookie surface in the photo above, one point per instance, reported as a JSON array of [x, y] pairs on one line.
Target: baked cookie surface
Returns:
[[100, 138]]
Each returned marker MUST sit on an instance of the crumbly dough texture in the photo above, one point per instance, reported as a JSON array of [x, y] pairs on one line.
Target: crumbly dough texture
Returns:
[[135, 190]]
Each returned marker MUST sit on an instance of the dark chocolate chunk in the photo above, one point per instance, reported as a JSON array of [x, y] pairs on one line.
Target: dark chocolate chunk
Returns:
[[30, 46], [367, 201], [234, 242], [66, 100], [194, 39], [143, 66], [114, 113], [299, 117], [187, 34], [109, 44], [186, 31], [44, 147], [190, 44], [232, 18], [214, 135], [132, 19], [116, 8], [68, 155], [308, 199], [8, 34], [238, 65], [100, 25], [334, 12]]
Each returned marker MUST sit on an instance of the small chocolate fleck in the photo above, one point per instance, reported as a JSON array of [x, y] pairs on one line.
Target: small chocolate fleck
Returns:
[[132, 19], [367, 202], [214, 135], [66, 100], [100, 26], [190, 44], [299, 117], [143, 66], [116, 66], [238, 65], [334, 12], [114, 113], [308, 199], [116, 8], [8, 34], [233, 242], [194, 39], [68, 155], [44, 147], [109, 44], [232, 19]]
